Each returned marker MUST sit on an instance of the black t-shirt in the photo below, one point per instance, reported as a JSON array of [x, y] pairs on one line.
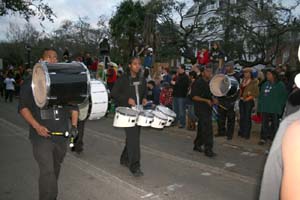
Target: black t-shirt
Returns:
[[216, 54], [201, 89], [63, 113], [181, 86], [124, 89]]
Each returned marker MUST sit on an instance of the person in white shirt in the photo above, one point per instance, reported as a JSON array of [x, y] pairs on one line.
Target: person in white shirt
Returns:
[[9, 87]]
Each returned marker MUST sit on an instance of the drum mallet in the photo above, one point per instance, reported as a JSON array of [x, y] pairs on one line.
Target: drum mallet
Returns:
[[66, 135]]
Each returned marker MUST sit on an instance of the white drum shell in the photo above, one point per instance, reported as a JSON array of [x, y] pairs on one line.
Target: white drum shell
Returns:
[[99, 100], [159, 120], [123, 120], [145, 119], [167, 112]]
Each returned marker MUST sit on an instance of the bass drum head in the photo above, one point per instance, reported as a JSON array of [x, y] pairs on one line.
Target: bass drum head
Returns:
[[219, 85], [83, 110], [40, 85]]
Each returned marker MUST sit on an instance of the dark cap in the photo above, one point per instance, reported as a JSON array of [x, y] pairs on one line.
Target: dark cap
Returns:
[[229, 64], [209, 66]]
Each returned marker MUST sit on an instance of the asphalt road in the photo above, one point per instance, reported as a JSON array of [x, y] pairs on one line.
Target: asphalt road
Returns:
[[172, 170]]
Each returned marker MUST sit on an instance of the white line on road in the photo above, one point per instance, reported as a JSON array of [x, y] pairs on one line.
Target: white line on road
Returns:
[[90, 169], [190, 163]]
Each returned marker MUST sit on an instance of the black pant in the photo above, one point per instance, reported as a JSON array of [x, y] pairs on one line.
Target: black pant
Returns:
[[79, 140], [270, 124], [226, 115], [1, 90], [204, 131], [245, 118], [131, 154], [9, 94], [110, 86], [49, 156]]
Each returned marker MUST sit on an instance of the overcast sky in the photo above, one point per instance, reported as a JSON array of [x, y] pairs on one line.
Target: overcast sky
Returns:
[[72, 9]]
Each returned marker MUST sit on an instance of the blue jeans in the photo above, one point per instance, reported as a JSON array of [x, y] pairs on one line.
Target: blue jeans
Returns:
[[191, 110], [179, 109]]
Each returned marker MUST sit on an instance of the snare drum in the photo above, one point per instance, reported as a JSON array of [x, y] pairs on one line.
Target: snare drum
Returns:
[[159, 120], [60, 84], [125, 117], [99, 100], [145, 118], [170, 114]]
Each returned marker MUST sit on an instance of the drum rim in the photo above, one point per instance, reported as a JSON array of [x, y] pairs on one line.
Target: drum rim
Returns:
[[43, 64], [220, 75], [148, 114], [48, 83], [126, 114], [171, 114], [159, 117]]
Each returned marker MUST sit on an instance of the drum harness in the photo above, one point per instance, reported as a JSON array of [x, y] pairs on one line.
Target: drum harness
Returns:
[[136, 85], [54, 112]]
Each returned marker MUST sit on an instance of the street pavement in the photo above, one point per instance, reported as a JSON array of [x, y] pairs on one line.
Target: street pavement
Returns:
[[172, 170]]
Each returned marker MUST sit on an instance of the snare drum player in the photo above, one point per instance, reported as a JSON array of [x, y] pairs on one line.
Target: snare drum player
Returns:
[[125, 95], [48, 150]]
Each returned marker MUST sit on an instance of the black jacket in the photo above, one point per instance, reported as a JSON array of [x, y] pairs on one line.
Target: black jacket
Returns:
[[124, 89], [181, 86]]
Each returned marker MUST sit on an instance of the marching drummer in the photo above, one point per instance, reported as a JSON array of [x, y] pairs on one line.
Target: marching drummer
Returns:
[[126, 94], [203, 100], [48, 150]]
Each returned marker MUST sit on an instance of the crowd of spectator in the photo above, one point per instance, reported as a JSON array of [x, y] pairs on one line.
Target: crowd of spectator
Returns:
[[262, 94]]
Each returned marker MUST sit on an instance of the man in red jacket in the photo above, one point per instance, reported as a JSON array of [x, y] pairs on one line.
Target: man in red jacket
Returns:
[[111, 77], [203, 56]]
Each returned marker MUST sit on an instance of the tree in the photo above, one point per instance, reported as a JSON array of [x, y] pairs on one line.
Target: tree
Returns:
[[255, 33], [27, 9], [80, 36], [127, 25], [188, 35]]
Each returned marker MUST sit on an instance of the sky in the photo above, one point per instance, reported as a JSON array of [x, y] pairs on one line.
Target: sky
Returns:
[[72, 10], [65, 9]]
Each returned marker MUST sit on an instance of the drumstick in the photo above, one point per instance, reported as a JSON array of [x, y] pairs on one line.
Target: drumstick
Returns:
[[223, 107]]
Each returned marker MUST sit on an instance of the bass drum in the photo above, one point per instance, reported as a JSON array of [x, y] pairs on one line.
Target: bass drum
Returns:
[[83, 110], [60, 84], [222, 85], [98, 101], [96, 106]]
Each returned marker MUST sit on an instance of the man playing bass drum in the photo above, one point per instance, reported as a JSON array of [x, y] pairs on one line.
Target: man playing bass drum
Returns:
[[226, 119], [49, 150], [124, 94]]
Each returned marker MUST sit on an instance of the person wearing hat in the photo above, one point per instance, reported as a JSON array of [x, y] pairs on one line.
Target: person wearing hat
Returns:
[[271, 102], [248, 92], [226, 106]]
